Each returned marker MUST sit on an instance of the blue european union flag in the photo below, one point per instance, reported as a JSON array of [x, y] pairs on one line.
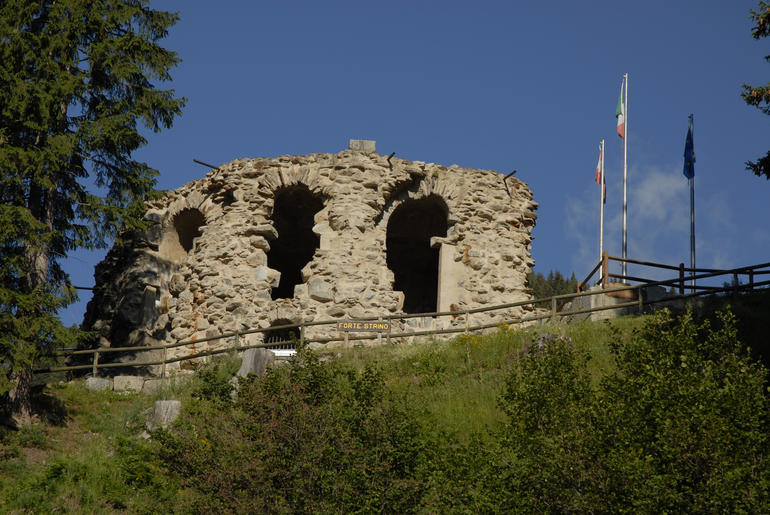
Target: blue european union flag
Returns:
[[689, 156]]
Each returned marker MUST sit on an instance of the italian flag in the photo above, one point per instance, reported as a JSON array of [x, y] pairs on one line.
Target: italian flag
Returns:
[[620, 114], [598, 175]]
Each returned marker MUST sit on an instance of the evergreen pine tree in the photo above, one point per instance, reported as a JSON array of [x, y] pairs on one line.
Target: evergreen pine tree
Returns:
[[77, 79], [554, 284]]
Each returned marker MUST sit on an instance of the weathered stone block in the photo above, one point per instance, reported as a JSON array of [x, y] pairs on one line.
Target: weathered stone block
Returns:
[[176, 285], [233, 305], [363, 145], [335, 311], [151, 386], [164, 413], [97, 384], [319, 290], [266, 230], [256, 361], [263, 273], [128, 383]]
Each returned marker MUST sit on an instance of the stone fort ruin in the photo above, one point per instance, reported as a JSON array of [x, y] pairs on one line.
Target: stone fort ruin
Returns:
[[296, 239]]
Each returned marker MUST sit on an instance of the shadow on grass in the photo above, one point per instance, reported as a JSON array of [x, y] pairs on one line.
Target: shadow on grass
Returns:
[[48, 408]]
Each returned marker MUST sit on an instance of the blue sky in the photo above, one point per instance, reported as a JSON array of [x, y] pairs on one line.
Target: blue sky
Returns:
[[527, 86]]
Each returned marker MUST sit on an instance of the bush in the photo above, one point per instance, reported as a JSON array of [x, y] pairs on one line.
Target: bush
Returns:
[[309, 437], [677, 422], [212, 380], [681, 427], [550, 446], [686, 420]]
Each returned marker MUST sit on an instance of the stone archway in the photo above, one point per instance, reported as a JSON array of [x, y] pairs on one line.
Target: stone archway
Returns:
[[294, 210], [409, 256], [180, 233], [187, 224]]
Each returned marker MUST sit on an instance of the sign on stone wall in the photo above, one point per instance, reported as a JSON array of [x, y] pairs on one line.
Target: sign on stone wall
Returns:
[[358, 325]]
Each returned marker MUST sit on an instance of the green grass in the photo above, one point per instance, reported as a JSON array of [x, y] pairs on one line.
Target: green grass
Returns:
[[456, 384], [78, 465], [85, 455]]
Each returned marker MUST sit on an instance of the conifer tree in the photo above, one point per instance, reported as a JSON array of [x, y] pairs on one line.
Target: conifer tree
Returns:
[[759, 96], [554, 284], [77, 81]]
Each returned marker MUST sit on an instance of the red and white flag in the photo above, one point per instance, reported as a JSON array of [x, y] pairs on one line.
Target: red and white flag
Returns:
[[598, 176]]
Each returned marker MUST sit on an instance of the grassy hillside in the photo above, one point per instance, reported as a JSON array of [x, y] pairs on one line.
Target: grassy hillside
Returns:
[[550, 418]]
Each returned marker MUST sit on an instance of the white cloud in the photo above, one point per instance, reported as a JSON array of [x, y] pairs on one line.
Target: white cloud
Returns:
[[658, 221], [660, 201]]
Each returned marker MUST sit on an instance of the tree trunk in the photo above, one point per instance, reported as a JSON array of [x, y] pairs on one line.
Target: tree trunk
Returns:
[[20, 397], [41, 204]]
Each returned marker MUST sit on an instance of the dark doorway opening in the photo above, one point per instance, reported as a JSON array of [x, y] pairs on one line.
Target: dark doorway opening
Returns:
[[187, 224], [409, 256], [282, 339], [293, 213]]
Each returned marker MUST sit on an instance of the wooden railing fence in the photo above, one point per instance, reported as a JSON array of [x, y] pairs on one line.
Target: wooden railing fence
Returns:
[[552, 312], [686, 274]]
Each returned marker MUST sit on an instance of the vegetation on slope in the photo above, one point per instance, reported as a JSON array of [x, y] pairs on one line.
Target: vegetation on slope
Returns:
[[660, 413]]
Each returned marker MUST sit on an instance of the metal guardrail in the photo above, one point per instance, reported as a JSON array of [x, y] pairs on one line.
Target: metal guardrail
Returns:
[[553, 312]]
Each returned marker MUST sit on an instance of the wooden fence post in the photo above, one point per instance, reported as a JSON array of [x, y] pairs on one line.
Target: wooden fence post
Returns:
[[605, 269], [96, 363], [467, 321], [165, 358], [751, 279], [681, 278], [641, 300], [301, 336], [553, 309]]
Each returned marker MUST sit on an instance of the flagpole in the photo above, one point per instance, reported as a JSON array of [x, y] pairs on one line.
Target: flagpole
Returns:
[[692, 217], [601, 201], [625, 178]]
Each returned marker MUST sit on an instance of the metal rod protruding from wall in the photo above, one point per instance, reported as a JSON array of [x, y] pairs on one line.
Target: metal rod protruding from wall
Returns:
[[506, 184], [206, 164]]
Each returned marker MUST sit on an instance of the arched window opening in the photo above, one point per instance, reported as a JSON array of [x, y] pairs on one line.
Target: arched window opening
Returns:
[[409, 256], [187, 224], [293, 218], [284, 341]]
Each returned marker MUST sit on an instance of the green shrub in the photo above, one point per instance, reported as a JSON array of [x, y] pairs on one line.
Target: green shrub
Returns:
[[32, 436], [309, 437], [661, 414], [212, 380], [550, 447], [686, 419], [682, 426]]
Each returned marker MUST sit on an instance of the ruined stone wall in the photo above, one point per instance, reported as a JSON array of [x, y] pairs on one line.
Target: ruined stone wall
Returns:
[[211, 263]]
